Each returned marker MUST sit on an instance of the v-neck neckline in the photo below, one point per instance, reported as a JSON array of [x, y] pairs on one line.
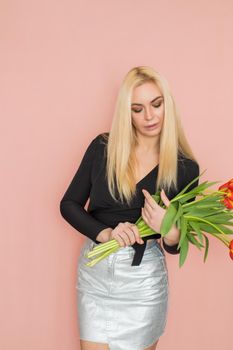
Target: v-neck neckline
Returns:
[[152, 170]]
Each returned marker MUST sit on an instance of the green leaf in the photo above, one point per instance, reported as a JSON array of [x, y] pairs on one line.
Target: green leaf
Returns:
[[183, 196], [204, 202], [178, 223], [168, 219], [198, 192], [210, 202], [228, 223], [183, 251], [206, 247], [196, 228], [183, 230], [221, 218], [226, 230], [196, 211], [207, 228], [179, 212], [190, 183], [156, 196], [194, 241], [210, 229]]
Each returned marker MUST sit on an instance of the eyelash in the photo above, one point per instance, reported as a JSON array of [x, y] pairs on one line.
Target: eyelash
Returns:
[[141, 109]]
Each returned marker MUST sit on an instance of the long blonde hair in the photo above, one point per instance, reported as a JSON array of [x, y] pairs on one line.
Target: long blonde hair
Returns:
[[122, 138]]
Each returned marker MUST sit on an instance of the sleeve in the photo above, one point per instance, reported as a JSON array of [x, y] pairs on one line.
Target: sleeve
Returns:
[[189, 172], [73, 202]]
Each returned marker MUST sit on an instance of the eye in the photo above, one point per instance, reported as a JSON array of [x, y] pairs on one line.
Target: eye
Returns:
[[157, 106], [137, 110]]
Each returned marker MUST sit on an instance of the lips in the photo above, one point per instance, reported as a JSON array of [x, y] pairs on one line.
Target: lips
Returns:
[[151, 126]]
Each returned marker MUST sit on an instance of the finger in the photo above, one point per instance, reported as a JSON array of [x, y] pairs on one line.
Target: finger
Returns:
[[125, 231], [119, 239], [129, 235], [145, 216], [115, 234], [135, 237], [164, 198], [148, 210], [149, 199], [137, 234]]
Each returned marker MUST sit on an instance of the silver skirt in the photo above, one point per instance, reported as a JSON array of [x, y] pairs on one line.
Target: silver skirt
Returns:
[[122, 305]]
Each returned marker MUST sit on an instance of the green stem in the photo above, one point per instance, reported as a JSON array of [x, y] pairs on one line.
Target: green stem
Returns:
[[191, 203], [103, 256], [177, 197], [103, 247], [114, 244], [218, 237], [203, 220], [224, 240]]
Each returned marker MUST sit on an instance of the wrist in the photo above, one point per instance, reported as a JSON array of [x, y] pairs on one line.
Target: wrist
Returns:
[[104, 235], [173, 236], [170, 241]]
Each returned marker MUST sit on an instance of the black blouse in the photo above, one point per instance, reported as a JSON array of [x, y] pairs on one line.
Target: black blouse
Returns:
[[103, 212]]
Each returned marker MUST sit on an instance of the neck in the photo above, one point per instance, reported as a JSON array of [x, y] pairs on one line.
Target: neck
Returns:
[[147, 144]]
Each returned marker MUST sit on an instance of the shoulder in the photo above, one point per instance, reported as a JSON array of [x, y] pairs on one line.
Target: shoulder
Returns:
[[188, 170], [100, 139], [187, 164], [97, 143]]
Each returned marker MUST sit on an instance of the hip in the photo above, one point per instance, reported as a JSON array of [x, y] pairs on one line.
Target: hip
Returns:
[[115, 272]]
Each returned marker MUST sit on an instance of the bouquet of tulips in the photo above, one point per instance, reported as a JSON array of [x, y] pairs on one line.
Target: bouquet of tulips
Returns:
[[210, 212]]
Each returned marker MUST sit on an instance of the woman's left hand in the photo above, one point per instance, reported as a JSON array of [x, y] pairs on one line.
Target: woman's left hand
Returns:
[[152, 213]]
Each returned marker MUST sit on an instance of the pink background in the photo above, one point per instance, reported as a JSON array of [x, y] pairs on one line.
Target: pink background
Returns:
[[61, 64]]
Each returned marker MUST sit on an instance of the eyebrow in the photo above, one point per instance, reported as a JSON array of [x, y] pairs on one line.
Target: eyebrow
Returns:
[[139, 104]]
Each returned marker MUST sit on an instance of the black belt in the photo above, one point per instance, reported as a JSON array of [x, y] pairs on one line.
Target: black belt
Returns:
[[140, 249]]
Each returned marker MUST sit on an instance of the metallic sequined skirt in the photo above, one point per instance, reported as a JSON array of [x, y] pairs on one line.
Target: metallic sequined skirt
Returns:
[[122, 305]]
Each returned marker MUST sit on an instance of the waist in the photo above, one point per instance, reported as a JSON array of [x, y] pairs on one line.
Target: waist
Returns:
[[129, 250], [149, 243], [152, 240]]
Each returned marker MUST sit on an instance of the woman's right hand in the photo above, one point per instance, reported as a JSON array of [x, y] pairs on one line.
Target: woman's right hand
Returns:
[[126, 233]]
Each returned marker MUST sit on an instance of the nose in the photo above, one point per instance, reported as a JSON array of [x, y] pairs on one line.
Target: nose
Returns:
[[149, 113]]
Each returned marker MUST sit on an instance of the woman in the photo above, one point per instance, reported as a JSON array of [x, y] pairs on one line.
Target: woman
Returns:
[[123, 299]]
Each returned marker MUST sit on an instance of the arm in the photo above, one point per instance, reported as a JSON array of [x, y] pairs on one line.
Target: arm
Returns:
[[189, 172], [73, 202]]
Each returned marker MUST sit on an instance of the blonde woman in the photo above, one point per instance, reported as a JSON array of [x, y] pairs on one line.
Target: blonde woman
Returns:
[[123, 300]]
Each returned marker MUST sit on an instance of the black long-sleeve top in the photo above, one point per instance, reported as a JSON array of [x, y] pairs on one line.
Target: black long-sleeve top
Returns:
[[103, 212]]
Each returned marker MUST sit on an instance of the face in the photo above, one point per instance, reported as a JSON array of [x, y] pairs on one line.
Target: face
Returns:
[[147, 109]]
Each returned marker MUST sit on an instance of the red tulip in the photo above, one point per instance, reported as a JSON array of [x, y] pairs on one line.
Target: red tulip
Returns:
[[227, 185], [228, 203], [228, 195], [230, 185], [223, 186], [231, 249]]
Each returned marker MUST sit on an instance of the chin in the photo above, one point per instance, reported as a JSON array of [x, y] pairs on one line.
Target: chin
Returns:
[[152, 132]]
